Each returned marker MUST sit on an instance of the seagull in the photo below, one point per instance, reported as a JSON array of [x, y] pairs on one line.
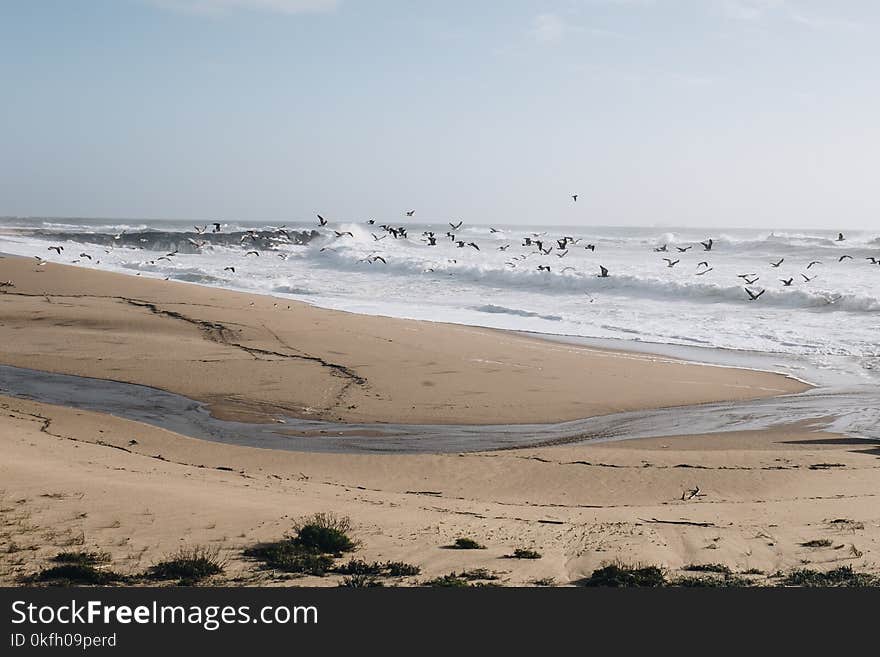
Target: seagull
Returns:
[[321, 221], [85, 255], [840, 237], [806, 278], [671, 263], [707, 245], [196, 243], [410, 213], [456, 226], [603, 272], [493, 230], [703, 264], [343, 233], [504, 248], [844, 257], [786, 283], [216, 228], [776, 264], [752, 295], [751, 281], [256, 253], [562, 254], [705, 271], [873, 260], [473, 245], [684, 249], [378, 257], [574, 197], [543, 267], [201, 229], [590, 247], [661, 249], [57, 249], [815, 262], [232, 269]]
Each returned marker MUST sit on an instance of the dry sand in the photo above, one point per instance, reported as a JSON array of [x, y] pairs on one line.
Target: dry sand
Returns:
[[72, 479]]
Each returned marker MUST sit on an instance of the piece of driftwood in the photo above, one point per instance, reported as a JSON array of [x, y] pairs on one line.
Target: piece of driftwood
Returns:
[[679, 522]]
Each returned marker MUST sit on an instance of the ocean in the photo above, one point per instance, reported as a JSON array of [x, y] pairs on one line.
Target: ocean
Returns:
[[822, 330]]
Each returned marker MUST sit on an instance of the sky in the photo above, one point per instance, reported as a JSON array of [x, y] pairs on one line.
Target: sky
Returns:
[[734, 113]]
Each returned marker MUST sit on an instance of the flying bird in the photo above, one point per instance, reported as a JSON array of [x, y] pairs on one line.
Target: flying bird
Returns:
[[603, 272], [57, 249], [787, 282], [844, 257], [671, 263], [321, 221], [752, 295], [456, 226], [776, 264]]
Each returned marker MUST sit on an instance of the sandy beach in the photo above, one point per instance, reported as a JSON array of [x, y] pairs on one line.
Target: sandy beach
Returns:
[[77, 478]]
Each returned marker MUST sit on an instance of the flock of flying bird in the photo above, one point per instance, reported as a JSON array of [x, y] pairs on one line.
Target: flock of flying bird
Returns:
[[538, 243]]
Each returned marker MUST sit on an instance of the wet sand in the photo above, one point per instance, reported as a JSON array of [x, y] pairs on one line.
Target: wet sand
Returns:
[[255, 357]]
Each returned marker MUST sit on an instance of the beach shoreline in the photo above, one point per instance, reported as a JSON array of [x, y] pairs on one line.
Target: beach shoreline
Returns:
[[74, 479], [249, 357]]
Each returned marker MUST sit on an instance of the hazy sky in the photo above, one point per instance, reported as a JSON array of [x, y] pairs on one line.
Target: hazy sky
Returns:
[[760, 113]]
